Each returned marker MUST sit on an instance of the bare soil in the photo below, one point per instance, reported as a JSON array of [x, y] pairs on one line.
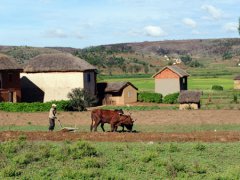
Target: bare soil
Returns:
[[157, 117]]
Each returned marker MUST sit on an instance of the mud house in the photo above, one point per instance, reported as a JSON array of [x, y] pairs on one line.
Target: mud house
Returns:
[[170, 79], [237, 82], [117, 93], [189, 100], [10, 89], [50, 77]]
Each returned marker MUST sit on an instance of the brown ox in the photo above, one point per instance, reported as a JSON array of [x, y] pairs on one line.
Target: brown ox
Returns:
[[114, 118]]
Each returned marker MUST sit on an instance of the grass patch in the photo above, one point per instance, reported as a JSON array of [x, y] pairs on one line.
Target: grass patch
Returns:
[[95, 160]]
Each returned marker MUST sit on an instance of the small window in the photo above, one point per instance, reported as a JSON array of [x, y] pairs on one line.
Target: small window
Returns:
[[129, 94], [0, 84], [183, 81], [88, 77]]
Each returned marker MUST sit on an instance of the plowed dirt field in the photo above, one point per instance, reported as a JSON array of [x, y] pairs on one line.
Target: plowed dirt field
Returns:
[[158, 117]]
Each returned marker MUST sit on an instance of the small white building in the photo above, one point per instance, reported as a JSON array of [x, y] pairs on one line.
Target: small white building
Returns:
[[49, 77]]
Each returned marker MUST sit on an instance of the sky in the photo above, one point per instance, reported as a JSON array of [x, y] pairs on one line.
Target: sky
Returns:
[[85, 23]]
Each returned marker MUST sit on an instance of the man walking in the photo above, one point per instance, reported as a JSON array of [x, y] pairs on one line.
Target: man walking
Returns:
[[52, 116]]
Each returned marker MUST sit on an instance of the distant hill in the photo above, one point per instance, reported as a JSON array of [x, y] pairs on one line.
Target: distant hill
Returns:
[[146, 57]]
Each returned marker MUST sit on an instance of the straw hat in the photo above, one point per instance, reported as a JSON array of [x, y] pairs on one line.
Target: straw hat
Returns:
[[54, 105]]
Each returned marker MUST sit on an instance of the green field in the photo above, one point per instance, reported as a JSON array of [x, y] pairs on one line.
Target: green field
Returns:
[[194, 83], [94, 160], [219, 99]]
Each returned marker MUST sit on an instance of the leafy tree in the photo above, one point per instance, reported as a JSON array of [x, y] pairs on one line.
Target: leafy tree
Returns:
[[146, 69], [186, 59], [80, 99], [195, 63], [227, 55]]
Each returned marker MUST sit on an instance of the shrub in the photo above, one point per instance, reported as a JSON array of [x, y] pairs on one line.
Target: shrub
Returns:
[[227, 55], [11, 171], [80, 99], [217, 88], [171, 98], [83, 149], [200, 147], [90, 162], [149, 97], [235, 98], [33, 107], [186, 59]]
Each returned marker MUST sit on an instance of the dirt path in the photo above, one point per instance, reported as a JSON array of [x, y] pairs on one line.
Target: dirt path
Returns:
[[158, 117], [124, 137]]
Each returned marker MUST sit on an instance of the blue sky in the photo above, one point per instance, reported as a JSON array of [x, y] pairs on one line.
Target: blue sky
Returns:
[[84, 23]]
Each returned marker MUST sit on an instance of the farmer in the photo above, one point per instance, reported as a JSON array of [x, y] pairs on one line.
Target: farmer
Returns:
[[52, 116]]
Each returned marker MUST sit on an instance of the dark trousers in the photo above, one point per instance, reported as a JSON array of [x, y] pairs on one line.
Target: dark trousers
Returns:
[[51, 124]]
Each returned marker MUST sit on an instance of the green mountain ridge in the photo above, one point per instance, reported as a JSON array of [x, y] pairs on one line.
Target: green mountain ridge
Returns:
[[145, 57]]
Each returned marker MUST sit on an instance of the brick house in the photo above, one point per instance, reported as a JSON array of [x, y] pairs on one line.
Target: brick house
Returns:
[[10, 88], [170, 79]]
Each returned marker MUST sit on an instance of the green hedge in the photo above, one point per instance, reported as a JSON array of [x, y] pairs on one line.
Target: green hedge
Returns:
[[34, 107], [217, 88], [171, 98], [150, 97]]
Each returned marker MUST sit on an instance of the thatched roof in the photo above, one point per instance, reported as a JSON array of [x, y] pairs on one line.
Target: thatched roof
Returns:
[[175, 69], [114, 86], [237, 77], [7, 63], [189, 97], [57, 62]]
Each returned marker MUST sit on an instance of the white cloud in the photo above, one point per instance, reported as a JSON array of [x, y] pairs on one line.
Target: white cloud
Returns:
[[189, 22], [231, 27], [55, 33], [213, 11], [154, 31]]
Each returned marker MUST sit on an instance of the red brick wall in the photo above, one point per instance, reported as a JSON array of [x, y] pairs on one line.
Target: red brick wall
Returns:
[[167, 73]]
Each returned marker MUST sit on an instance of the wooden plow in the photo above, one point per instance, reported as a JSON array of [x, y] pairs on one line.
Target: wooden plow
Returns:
[[67, 129]]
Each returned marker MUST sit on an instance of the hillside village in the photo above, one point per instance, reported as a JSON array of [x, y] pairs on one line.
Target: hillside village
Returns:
[[50, 73], [46, 74]]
